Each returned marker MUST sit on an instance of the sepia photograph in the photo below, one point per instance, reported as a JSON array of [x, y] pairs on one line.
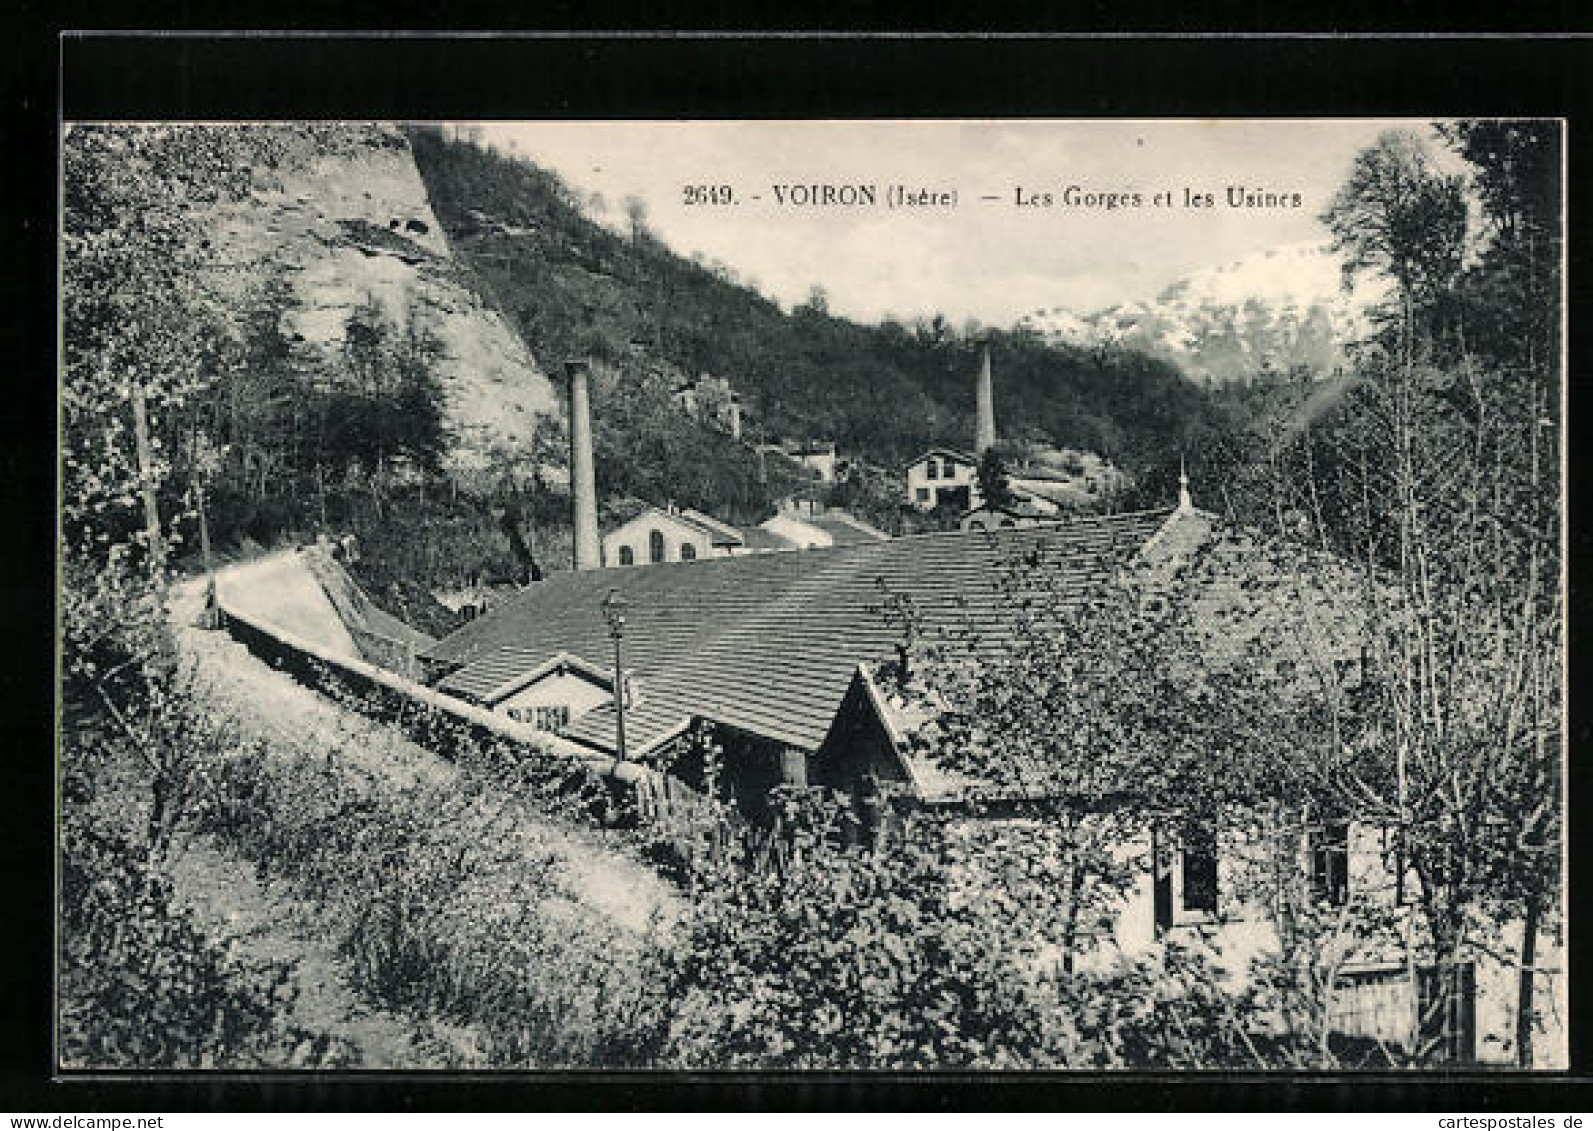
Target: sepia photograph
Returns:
[[724, 595]]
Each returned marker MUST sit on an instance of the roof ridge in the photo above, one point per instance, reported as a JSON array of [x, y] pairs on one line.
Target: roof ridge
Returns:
[[665, 689], [810, 563]]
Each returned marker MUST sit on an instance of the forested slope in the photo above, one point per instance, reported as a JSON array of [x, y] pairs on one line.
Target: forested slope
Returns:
[[882, 392]]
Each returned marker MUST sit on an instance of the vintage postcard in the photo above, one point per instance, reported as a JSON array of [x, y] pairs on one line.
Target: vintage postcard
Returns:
[[930, 595]]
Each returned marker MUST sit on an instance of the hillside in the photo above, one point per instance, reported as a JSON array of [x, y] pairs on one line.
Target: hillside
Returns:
[[572, 286], [1279, 310], [341, 221], [368, 318]]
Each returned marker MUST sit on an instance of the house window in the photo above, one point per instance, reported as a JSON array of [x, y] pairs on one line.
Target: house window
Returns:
[[627, 556], [1395, 860], [1184, 856], [1198, 862], [1330, 858], [655, 545], [552, 718], [793, 767], [688, 552], [934, 469], [923, 494]]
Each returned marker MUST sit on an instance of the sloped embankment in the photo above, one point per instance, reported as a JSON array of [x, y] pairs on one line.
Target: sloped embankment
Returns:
[[315, 912], [345, 218], [270, 703]]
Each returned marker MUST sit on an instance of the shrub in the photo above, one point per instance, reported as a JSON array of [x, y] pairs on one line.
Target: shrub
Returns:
[[142, 987], [446, 901]]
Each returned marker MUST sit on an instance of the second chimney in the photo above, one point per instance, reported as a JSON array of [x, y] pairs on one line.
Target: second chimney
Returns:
[[985, 432], [583, 480]]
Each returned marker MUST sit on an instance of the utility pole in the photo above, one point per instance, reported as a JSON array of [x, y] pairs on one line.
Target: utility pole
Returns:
[[614, 607]]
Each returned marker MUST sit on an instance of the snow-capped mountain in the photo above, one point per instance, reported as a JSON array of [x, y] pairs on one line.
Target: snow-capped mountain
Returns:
[[1277, 310]]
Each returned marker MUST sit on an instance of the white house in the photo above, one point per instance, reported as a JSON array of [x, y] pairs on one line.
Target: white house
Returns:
[[943, 475], [660, 535], [817, 456], [553, 694], [1221, 881], [803, 524]]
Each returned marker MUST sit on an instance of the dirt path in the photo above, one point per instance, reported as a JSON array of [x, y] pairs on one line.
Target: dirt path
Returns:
[[267, 921], [262, 700]]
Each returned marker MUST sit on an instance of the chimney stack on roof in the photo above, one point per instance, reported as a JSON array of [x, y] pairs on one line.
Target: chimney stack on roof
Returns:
[[985, 435], [583, 479]]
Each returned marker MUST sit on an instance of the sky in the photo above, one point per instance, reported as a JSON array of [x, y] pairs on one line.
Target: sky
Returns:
[[990, 260]]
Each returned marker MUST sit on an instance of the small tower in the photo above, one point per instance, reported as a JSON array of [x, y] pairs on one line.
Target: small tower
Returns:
[[1185, 503], [583, 481], [985, 433]]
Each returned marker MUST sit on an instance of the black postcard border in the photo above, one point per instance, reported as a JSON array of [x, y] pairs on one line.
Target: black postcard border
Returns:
[[133, 75]]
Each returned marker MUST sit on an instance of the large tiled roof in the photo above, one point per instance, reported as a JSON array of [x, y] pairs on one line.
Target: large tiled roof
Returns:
[[767, 643], [723, 533]]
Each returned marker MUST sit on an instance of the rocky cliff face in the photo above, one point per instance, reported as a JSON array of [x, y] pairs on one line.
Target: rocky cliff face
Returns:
[[345, 219], [1278, 310]]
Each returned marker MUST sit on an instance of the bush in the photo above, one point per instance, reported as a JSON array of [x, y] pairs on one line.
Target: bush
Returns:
[[142, 987], [447, 902]]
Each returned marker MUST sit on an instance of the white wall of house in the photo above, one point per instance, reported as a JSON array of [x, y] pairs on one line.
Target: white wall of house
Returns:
[[931, 474], [822, 463], [570, 690], [1377, 999], [636, 535]]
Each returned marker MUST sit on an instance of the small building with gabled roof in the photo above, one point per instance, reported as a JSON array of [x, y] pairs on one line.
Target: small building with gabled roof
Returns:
[[553, 694], [665, 534], [1023, 512], [943, 476]]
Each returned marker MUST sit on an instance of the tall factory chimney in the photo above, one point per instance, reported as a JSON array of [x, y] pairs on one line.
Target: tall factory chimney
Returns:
[[985, 435], [583, 480]]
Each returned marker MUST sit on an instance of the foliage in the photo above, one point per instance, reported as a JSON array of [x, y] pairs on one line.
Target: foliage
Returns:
[[884, 392], [995, 488], [850, 959], [142, 987], [443, 897]]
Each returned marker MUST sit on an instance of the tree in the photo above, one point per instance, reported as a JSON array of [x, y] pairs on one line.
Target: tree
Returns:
[[142, 345], [1437, 470], [636, 214], [1398, 216], [387, 402], [1077, 708], [995, 488]]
